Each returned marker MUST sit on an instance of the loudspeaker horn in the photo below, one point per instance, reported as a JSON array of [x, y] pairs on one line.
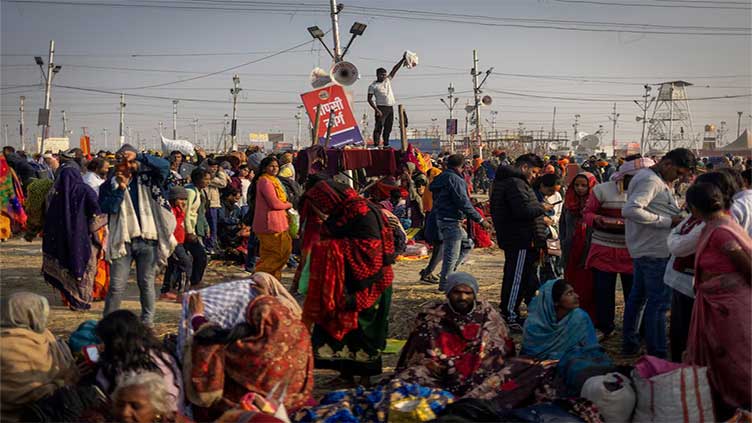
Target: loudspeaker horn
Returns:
[[344, 73], [486, 100]]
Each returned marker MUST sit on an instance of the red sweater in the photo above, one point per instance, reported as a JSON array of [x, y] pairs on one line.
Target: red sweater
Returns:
[[180, 227]]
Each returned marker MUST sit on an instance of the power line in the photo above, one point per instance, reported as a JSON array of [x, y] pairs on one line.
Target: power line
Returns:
[[687, 6], [520, 94]]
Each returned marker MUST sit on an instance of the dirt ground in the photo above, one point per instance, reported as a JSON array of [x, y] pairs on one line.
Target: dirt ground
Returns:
[[20, 264]]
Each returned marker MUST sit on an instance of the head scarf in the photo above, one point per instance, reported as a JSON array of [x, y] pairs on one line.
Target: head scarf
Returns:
[[277, 352], [574, 203], [546, 337], [25, 310], [267, 284], [631, 168], [461, 278]]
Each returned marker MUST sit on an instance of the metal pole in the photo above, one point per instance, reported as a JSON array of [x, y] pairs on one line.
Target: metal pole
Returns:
[[195, 131], [5, 130], [613, 132], [174, 119], [300, 127], [21, 122], [105, 137], [47, 89], [122, 118], [451, 116], [644, 119], [335, 28], [671, 118], [476, 91], [233, 130], [65, 124], [553, 127], [738, 124], [576, 125]]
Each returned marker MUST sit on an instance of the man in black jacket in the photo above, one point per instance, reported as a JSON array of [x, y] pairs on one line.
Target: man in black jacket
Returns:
[[515, 209], [451, 203]]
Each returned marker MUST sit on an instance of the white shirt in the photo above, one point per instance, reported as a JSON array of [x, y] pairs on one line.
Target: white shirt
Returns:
[[245, 183], [553, 199], [382, 92], [93, 180], [741, 209]]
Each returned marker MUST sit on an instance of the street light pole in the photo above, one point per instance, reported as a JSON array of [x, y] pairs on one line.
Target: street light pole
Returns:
[[450, 105], [122, 119], [174, 119], [45, 113], [65, 124], [299, 118], [335, 28], [21, 121], [614, 118], [234, 91], [644, 107]]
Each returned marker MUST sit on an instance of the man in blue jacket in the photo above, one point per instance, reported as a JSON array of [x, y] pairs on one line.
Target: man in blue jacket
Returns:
[[451, 203], [140, 226]]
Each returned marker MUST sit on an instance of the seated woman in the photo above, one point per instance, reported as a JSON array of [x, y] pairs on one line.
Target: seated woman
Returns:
[[269, 351], [558, 329], [33, 364], [129, 346]]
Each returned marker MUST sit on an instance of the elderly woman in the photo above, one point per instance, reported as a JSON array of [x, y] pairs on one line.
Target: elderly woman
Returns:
[[350, 280], [142, 397], [33, 364], [270, 351]]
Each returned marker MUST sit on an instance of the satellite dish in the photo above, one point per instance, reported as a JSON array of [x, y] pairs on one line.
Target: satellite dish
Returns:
[[486, 100], [344, 73], [591, 142]]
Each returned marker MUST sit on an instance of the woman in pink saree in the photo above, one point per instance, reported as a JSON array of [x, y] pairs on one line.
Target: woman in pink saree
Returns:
[[721, 328]]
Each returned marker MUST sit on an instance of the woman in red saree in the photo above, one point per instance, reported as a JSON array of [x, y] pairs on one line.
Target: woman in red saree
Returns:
[[720, 333], [349, 282], [574, 245]]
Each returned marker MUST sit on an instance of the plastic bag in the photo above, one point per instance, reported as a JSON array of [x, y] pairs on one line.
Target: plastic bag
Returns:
[[411, 59], [293, 218], [613, 394], [410, 410]]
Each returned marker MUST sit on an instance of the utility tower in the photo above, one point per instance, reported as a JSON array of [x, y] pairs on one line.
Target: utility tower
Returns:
[[671, 121]]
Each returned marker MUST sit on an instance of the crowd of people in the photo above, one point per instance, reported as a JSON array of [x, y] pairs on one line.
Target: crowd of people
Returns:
[[672, 232]]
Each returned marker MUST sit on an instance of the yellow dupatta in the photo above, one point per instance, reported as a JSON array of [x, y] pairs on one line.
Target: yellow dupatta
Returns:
[[278, 188]]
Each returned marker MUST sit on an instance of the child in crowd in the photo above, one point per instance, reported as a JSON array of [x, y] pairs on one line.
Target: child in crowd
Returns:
[[231, 229], [180, 263]]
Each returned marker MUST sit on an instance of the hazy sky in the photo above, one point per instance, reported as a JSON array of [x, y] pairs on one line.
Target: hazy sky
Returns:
[[96, 45]]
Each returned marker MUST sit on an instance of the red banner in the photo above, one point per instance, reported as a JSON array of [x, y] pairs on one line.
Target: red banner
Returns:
[[85, 144], [333, 101]]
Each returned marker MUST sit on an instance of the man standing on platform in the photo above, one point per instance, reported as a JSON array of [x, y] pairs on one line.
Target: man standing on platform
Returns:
[[381, 99]]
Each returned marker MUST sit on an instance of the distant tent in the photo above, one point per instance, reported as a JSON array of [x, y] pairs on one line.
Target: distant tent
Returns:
[[743, 144]]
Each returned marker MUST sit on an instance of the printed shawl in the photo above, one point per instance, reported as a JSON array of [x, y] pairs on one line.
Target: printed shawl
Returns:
[[351, 264], [275, 349], [453, 351]]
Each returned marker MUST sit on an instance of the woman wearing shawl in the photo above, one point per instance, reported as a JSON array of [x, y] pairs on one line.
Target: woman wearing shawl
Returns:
[[350, 279], [268, 353], [721, 329], [575, 240], [608, 255], [557, 329], [71, 245], [11, 201], [33, 364], [270, 222]]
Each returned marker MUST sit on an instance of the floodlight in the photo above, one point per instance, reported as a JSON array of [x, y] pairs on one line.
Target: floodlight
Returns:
[[316, 32], [358, 28]]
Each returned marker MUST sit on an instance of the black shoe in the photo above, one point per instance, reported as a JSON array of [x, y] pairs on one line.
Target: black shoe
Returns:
[[428, 278]]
